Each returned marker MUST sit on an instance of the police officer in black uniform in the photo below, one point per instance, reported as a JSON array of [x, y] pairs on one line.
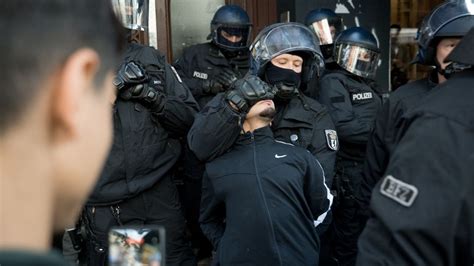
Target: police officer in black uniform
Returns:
[[424, 206], [300, 120], [152, 110], [210, 68], [353, 105], [439, 33], [326, 25]]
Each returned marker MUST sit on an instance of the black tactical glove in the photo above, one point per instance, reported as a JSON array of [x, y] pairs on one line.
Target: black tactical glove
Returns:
[[145, 94], [247, 91], [221, 82], [134, 84], [129, 74], [226, 78]]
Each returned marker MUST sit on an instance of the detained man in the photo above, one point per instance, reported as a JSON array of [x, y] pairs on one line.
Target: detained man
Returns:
[[270, 194]]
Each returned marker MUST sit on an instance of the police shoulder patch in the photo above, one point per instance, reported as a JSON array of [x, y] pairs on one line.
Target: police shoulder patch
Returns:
[[331, 139], [398, 191]]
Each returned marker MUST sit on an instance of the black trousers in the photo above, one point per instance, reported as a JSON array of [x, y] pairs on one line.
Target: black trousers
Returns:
[[348, 221], [156, 206], [190, 194]]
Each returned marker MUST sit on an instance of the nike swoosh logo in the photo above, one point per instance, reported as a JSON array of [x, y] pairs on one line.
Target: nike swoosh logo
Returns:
[[280, 156]]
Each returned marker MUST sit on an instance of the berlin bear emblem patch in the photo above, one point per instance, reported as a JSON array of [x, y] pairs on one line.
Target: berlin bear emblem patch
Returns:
[[332, 140]]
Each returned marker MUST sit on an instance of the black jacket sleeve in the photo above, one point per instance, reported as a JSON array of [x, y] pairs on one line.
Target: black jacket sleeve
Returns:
[[349, 127], [316, 191], [377, 156], [434, 157], [179, 107], [319, 148], [215, 129], [212, 213]]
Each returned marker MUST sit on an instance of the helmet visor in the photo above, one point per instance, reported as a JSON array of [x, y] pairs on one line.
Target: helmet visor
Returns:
[[232, 37], [357, 60], [323, 31], [132, 13]]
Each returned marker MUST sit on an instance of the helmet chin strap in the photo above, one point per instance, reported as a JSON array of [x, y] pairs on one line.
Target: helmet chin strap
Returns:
[[453, 68], [231, 54], [440, 70]]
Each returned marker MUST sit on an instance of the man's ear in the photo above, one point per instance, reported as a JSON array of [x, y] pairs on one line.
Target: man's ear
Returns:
[[74, 79]]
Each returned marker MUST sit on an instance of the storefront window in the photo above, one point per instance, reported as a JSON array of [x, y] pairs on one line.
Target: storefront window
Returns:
[[190, 22]]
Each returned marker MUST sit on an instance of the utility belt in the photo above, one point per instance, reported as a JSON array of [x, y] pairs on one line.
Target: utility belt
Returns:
[[89, 224], [84, 234], [77, 235]]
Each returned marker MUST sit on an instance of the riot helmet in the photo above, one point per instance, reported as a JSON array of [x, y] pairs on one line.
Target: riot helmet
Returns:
[[356, 50], [231, 21], [286, 38], [281, 38], [450, 19], [320, 21]]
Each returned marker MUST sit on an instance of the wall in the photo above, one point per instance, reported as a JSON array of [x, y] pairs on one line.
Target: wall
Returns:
[[284, 6]]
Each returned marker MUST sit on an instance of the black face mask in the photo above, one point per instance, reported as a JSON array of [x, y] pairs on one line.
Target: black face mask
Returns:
[[286, 81], [327, 50], [231, 54]]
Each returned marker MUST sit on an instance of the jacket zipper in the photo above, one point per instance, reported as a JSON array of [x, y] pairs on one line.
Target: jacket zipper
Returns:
[[263, 196]]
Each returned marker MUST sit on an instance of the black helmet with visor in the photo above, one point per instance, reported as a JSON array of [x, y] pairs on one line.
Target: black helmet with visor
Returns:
[[231, 20], [356, 50]]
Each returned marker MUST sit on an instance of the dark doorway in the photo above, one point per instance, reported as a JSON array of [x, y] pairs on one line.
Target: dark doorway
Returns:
[[262, 13]]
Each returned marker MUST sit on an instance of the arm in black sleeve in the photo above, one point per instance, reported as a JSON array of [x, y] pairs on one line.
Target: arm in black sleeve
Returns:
[[316, 191], [212, 213], [177, 111], [320, 148], [349, 127], [215, 129], [426, 227], [377, 156]]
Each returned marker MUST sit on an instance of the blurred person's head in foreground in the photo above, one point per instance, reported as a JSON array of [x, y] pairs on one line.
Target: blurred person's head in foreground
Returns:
[[58, 60]]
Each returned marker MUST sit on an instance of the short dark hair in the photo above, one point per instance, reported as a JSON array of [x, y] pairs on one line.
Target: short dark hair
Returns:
[[39, 35]]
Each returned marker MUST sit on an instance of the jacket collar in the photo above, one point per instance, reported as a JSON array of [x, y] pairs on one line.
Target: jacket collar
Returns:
[[433, 79], [260, 135]]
